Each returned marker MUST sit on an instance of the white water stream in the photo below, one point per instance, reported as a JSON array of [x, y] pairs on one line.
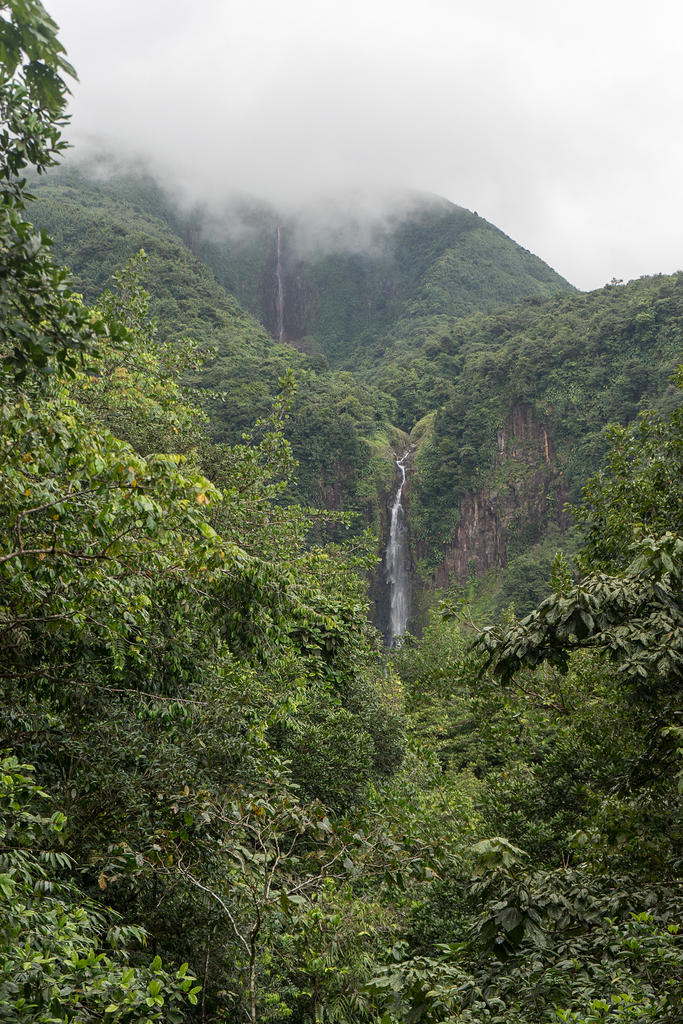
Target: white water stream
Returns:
[[280, 293], [397, 560]]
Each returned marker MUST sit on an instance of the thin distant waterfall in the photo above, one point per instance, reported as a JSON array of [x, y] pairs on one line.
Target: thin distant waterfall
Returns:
[[280, 289], [397, 561]]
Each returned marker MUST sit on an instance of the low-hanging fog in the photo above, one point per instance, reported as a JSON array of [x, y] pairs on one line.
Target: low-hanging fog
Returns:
[[558, 123]]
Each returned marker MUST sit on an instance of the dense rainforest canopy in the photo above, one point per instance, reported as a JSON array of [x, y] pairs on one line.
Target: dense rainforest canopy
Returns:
[[221, 797]]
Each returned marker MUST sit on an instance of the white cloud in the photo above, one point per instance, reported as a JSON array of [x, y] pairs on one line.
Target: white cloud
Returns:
[[559, 123]]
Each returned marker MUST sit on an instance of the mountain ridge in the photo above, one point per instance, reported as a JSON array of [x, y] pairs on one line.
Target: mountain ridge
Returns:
[[351, 277]]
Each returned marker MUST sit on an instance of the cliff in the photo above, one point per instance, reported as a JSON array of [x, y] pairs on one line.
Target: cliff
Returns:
[[523, 495]]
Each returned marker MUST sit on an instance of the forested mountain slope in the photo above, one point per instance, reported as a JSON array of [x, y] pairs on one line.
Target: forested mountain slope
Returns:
[[351, 267], [546, 377], [428, 257], [94, 235], [340, 429]]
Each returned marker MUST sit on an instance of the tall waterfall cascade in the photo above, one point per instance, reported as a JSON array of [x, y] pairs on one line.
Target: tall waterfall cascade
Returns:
[[279, 288], [397, 560]]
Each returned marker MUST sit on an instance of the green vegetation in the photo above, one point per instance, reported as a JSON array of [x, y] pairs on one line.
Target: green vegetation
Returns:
[[549, 377], [354, 298], [95, 235], [220, 798], [334, 420], [574, 734], [347, 299], [401, 315]]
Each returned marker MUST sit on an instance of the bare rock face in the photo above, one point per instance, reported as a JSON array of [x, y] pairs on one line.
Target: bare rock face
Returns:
[[331, 486], [525, 494]]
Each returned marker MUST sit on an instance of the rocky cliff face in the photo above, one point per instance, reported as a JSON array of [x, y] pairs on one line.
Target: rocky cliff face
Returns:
[[525, 493]]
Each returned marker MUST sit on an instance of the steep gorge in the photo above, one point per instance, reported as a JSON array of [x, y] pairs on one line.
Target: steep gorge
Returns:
[[523, 495]]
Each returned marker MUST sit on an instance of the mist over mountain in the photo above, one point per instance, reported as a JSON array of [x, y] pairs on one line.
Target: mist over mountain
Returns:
[[351, 265], [527, 118]]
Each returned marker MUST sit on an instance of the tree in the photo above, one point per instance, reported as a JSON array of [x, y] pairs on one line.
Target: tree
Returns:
[[63, 956], [635, 618], [256, 857], [39, 316], [640, 490]]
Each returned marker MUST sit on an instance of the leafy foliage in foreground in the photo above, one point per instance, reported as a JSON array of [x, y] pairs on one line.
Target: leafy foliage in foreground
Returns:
[[135, 623], [38, 316], [636, 618], [63, 956], [190, 633], [164, 642], [573, 912]]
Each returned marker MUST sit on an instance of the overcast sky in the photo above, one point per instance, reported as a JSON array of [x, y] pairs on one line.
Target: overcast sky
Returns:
[[558, 122]]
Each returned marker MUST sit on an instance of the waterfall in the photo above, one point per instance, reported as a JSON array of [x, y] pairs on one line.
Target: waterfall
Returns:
[[397, 560], [280, 290]]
